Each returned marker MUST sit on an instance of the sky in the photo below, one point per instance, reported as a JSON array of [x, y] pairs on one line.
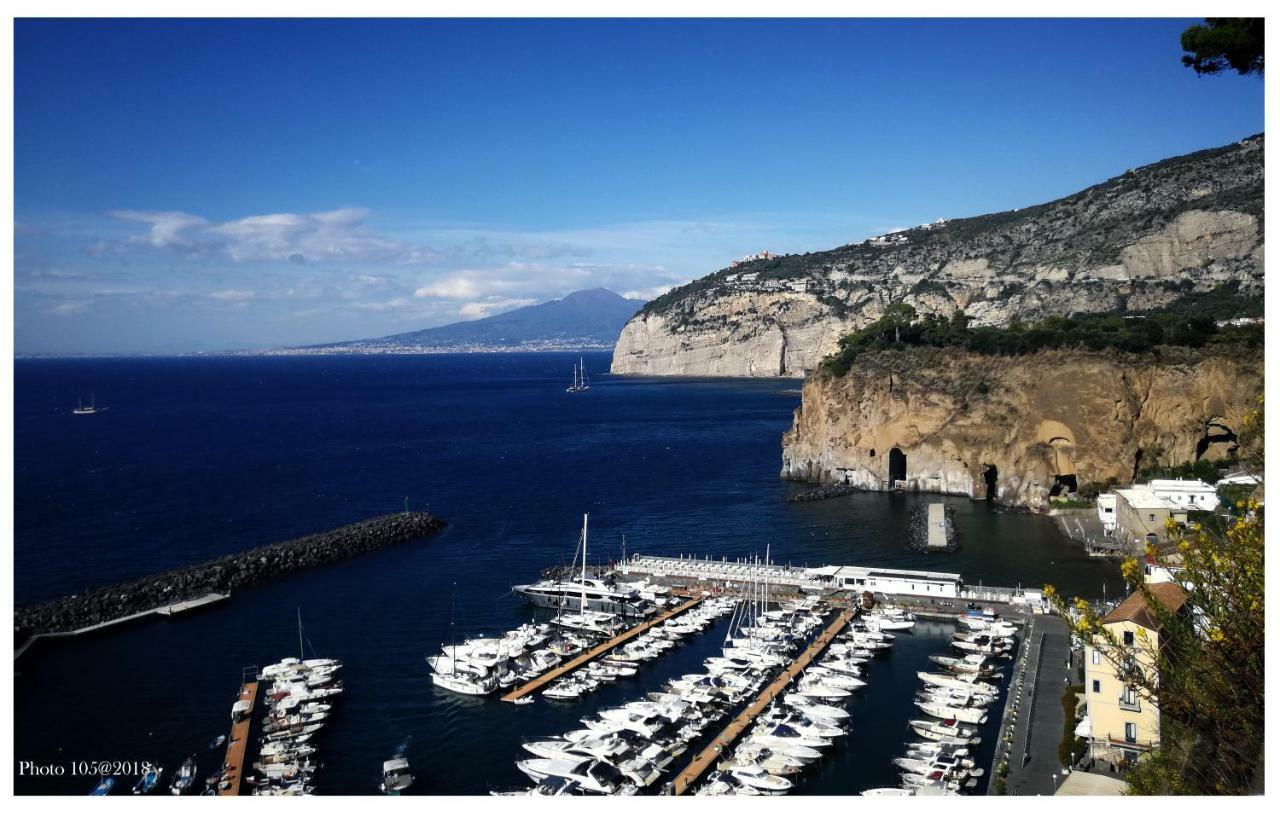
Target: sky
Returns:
[[213, 185]]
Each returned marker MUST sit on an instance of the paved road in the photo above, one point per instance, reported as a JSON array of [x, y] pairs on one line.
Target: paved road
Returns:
[[1038, 726]]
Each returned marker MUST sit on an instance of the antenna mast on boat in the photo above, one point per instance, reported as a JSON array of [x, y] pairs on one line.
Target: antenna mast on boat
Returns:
[[300, 653]]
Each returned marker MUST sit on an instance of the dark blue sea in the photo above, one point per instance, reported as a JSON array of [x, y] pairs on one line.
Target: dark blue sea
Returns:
[[196, 457]]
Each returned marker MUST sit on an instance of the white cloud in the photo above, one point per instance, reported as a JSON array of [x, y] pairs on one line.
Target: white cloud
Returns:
[[483, 309], [455, 288], [648, 294], [232, 295], [169, 228], [332, 235], [384, 306], [68, 308]]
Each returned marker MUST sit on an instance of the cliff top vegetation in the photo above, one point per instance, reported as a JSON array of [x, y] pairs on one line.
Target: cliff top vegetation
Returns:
[[1192, 326]]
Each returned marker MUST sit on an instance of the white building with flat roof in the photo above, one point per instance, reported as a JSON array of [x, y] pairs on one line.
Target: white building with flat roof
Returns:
[[1192, 494], [890, 581], [1106, 505]]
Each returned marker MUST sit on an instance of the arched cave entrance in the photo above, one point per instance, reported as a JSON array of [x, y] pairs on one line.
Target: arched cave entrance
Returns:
[[989, 476], [1218, 442], [897, 466], [1063, 449], [1063, 484]]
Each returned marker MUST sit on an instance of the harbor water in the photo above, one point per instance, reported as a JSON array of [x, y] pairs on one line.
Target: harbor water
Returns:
[[203, 456]]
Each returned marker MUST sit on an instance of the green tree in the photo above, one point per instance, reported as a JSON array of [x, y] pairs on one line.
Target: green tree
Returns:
[[1223, 43]]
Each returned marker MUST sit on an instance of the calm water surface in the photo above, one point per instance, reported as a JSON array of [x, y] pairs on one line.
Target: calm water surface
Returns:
[[199, 457]]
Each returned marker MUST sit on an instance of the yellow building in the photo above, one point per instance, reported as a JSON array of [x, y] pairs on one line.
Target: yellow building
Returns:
[[1123, 722]]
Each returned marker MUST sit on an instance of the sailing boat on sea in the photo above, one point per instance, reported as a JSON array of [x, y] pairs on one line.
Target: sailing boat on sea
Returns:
[[579, 379], [81, 408]]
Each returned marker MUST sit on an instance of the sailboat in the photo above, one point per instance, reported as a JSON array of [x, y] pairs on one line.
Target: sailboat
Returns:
[[465, 683], [81, 408], [579, 379], [588, 619]]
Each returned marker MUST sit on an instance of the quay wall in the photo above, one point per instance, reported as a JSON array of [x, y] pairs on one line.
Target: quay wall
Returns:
[[221, 575]]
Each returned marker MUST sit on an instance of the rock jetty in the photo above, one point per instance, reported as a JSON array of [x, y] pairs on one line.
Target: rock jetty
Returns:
[[221, 575]]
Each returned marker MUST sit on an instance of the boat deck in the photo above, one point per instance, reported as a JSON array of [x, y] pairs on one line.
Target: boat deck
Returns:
[[238, 742], [592, 654], [704, 759]]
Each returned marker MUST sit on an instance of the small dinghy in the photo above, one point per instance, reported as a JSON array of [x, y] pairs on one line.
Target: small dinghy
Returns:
[[525, 701], [217, 742]]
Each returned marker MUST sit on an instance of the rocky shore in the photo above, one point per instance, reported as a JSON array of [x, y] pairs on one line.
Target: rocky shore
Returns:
[[221, 575]]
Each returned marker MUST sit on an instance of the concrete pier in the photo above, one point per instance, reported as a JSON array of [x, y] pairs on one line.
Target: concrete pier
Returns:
[[1032, 725]]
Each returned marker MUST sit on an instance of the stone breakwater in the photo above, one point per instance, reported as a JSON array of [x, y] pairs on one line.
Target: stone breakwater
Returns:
[[221, 575]]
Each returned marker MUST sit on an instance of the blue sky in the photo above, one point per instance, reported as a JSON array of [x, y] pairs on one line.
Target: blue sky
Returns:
[[189, 185]]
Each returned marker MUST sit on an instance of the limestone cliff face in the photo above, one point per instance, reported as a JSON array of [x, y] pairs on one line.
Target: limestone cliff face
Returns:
[[956, 422], [1183, 226]]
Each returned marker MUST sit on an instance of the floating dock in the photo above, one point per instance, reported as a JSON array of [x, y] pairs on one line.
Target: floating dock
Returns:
[[942, 535], [238, 740], [594, 653], [704, 759]]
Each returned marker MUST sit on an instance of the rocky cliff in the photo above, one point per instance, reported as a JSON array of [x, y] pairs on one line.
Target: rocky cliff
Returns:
[[956, 422], [1192, 224]]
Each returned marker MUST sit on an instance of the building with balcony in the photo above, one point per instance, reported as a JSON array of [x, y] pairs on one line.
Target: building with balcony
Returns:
[[1124, 722]]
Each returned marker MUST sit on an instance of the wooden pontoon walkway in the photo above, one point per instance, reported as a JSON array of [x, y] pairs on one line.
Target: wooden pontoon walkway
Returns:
[[703, 760], [238, 742], [590, 655]]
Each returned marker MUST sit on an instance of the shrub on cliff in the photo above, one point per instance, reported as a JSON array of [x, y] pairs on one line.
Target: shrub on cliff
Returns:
[[899, 328]]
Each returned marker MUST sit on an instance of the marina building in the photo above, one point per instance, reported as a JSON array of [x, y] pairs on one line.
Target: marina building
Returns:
[[890, 581], [1122, 722], [1189, 493], [1142, 516]]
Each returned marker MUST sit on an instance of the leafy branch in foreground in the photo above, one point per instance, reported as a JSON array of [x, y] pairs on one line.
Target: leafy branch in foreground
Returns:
[[1207, 674]]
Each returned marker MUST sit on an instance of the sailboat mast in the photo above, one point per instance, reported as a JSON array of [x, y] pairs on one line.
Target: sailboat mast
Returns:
[[300, 654], [584, 563]]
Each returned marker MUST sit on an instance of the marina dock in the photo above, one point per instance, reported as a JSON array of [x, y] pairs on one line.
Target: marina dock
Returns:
[[704, 759], [941, 535], [594, 653], [238, 740]]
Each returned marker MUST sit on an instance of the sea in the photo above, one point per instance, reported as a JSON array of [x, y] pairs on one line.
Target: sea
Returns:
[[190, 458]]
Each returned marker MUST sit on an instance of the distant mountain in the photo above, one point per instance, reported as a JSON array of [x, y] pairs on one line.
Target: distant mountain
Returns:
[[590, 318]]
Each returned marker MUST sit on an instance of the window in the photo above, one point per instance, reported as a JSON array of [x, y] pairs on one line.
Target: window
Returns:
[[1108, 510], [1096, 658], [1151, 517], [1130, 732], [1130, 696], [1097, 686], [1128, 638]]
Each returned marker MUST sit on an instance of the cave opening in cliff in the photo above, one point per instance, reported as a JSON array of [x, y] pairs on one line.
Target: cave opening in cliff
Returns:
[[1063, 483], [1218, 442], [897, 466], [989, 475]]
